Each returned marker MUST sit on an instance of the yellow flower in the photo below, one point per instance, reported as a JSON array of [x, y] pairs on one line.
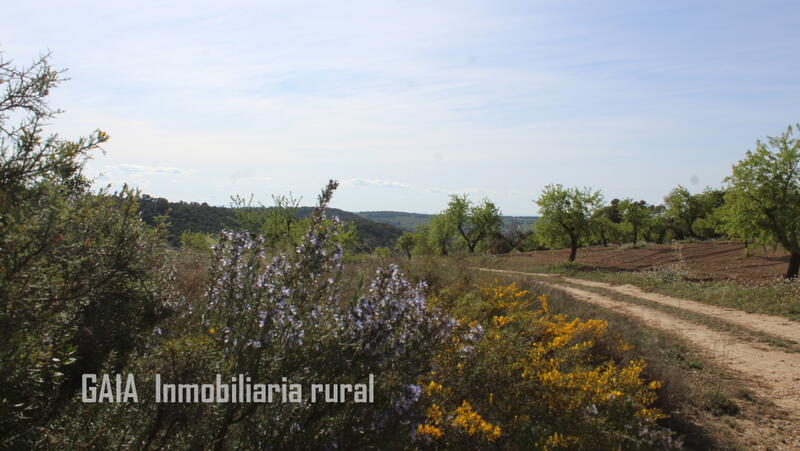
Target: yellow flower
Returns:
[[426, 430], [433, 388], [473, 424]]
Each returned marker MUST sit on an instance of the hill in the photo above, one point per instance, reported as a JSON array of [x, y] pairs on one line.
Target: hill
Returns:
[[201, 217], [410, 221]]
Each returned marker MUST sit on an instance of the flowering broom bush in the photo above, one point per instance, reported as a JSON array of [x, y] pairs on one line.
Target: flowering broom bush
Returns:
[[535, 380]]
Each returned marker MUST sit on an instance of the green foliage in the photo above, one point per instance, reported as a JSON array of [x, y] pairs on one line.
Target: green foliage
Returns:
[[405, 243], [441, 234], [197, 241], [607, 227], [81, 277], [473, 223], [201, 217], [382, 252], [636, 215], [182, 217], [762, 204], [683, 209], [269, 319], [567, 215]]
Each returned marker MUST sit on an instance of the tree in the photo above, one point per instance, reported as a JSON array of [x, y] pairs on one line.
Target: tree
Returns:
[[440, 234], [706, 226], [682, 208], [405, 243], [635, 214], [762, 203], [474, 223], [656, 228], [606, 223], [280, 226], [566, 215]]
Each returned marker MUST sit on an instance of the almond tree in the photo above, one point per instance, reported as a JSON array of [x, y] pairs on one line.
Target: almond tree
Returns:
[[566, 215], [474, 223], [762, 204], [636, 214]]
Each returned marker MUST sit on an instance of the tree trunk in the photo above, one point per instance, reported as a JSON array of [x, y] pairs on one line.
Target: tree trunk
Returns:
[[794, 265], [573, 251], [635, 233]]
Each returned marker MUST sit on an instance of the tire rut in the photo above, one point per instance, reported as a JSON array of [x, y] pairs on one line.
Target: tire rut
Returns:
[[775, 374]]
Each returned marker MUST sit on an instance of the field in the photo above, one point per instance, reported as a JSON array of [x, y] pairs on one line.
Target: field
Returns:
[[709, 260]]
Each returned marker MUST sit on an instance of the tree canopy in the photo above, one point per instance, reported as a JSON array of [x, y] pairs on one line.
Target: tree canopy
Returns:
[[762, 203], [636, 215], [566, 215], [473, 223]]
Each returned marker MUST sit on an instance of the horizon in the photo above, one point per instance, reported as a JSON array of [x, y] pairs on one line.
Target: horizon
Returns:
[[405, 104]]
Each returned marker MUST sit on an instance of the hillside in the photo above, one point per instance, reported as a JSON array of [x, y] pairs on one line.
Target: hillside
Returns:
[[201, 217], [410, 221]]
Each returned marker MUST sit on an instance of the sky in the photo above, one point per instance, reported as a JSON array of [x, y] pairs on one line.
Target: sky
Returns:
[[406, 102]]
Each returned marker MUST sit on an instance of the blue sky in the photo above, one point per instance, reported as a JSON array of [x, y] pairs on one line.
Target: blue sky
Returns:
[[406, 102]]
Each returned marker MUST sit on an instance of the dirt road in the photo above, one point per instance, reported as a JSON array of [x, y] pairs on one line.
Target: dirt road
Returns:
[[771, 372]]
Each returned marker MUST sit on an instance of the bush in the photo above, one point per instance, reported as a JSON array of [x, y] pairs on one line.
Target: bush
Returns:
[[80, 276], [521, 377], [270, 319]]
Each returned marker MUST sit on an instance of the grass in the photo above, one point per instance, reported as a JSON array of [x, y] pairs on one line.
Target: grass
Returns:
[[776, 297]]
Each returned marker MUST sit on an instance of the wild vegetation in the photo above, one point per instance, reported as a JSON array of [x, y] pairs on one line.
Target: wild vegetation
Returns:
[[102, 282], [193, 217]]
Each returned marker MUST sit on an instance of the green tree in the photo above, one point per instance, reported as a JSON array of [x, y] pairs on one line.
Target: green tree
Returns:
[[636, 215], [405, 243], [281, 226], [440, 234], [607, 221], [473, 223], [566, 215], [707, 225], [683, 209], [762, 203]]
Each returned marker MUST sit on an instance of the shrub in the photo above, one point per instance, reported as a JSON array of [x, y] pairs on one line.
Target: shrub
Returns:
[[80, 276], [274, 318], [523, 377]]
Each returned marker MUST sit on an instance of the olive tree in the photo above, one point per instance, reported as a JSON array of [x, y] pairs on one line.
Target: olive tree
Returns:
[[566, 215], [762, 203]]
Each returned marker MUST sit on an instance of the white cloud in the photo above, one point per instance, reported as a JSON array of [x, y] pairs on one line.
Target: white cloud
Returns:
[[147, 170], [376, 182]]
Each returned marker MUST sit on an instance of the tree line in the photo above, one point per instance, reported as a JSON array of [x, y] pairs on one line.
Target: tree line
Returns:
[[759, 205]]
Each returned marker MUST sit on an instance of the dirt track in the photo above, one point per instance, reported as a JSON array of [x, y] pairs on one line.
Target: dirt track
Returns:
[[772, 373]]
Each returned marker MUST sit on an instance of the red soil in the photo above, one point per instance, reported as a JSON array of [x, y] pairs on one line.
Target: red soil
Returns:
[[716, 260]]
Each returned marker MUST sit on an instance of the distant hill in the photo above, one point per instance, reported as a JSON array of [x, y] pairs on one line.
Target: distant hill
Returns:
[[410, 221], [399, 219], [201, 217]]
